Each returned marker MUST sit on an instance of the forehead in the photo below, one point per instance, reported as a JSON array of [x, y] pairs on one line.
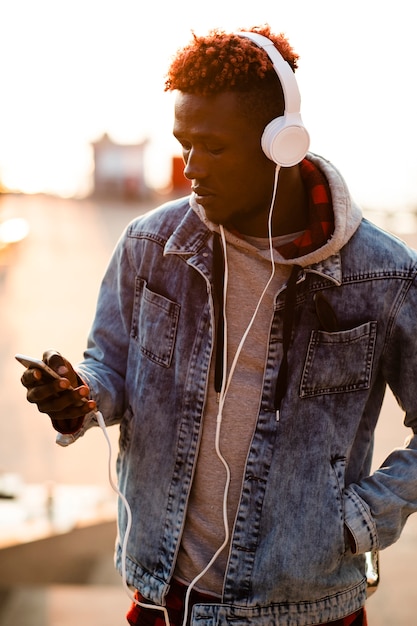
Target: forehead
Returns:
[[213, 113]]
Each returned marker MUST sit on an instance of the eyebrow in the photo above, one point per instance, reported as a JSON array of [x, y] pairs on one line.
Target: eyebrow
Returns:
[[179, 133]]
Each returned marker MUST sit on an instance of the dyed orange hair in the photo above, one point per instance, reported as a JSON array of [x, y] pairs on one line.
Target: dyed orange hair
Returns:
[[225, 62]]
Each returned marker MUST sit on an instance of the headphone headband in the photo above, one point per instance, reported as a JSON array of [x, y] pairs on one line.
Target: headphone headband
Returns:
[[285, 139], [283, 70]]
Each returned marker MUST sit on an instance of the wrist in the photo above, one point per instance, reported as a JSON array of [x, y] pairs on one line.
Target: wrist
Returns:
[[69, 426]]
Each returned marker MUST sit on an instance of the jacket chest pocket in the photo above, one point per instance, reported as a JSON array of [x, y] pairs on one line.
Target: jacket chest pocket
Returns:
[[154, 324], [339, 362]]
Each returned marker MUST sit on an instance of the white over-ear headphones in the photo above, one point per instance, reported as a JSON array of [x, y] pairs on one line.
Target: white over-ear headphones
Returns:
[[285, 139]]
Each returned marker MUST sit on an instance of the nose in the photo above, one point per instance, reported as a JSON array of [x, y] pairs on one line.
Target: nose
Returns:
[[195, 164]]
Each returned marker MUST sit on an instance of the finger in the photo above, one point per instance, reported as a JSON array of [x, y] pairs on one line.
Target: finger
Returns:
[[43, 389], [72, 412], [31, 377], [59, 394], [61, 365], [34, 377], [71, 403]]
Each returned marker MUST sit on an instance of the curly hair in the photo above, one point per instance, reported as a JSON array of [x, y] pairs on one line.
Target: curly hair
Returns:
[[221, 61]]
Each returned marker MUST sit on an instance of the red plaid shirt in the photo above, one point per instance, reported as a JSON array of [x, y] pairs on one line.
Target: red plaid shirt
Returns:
[[140, 616], [320, 214]]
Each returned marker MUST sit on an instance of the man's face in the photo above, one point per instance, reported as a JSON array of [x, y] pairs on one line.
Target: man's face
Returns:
[[230, 175]]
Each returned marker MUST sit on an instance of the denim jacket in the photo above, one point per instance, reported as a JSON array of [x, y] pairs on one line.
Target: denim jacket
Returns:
[[307, 475]]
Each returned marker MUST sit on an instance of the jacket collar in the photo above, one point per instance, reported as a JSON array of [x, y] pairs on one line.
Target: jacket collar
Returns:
[[330, 268], [190, 237]]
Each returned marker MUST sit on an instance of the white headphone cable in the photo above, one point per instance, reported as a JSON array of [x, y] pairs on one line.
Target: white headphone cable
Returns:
[[226, 384], [271, 251], [115, 488]]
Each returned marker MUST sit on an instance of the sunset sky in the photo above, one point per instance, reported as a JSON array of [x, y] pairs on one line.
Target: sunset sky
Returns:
[[72, 70]]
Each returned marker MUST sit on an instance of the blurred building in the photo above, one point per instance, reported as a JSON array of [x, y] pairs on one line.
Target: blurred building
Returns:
[[180, 184], [119, 169]]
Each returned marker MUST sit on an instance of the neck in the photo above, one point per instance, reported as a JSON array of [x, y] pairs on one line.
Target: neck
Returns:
[[290, 212]]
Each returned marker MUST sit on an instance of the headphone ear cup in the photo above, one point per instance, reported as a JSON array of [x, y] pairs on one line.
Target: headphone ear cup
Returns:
[[285, 141]]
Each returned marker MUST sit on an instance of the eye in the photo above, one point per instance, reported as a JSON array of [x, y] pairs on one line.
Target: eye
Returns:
[[214, 149], [185, 145]]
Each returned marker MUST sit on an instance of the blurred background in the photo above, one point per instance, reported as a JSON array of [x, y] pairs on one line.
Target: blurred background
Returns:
[[85, 146]]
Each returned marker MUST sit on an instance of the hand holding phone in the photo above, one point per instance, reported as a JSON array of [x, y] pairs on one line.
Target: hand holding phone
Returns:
[[67, 402], [32, 362]]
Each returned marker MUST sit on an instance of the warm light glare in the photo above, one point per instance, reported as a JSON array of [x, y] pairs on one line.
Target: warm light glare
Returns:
[[75, 70], [13, 230]]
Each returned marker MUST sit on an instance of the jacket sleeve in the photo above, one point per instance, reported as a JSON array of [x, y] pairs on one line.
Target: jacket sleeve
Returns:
[[377, 507], [105, 359]]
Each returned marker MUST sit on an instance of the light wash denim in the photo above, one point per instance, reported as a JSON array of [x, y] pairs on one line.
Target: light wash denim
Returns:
[[306, 478]]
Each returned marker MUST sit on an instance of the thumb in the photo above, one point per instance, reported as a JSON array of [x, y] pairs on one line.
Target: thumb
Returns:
[[60, 365]]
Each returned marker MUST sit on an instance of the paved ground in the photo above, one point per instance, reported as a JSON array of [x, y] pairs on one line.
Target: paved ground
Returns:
[[48, 288]]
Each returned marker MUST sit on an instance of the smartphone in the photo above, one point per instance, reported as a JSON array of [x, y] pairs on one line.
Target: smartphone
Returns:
[[29, 361]]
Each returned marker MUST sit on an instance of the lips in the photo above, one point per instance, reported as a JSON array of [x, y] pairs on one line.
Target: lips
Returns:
[[201, 192], [202, 195]]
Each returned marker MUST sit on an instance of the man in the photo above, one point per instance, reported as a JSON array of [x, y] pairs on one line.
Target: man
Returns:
[[243, 340]]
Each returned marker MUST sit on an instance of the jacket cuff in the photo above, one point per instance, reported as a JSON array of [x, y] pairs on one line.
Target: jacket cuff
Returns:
[[67, 439], [360, 523]]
